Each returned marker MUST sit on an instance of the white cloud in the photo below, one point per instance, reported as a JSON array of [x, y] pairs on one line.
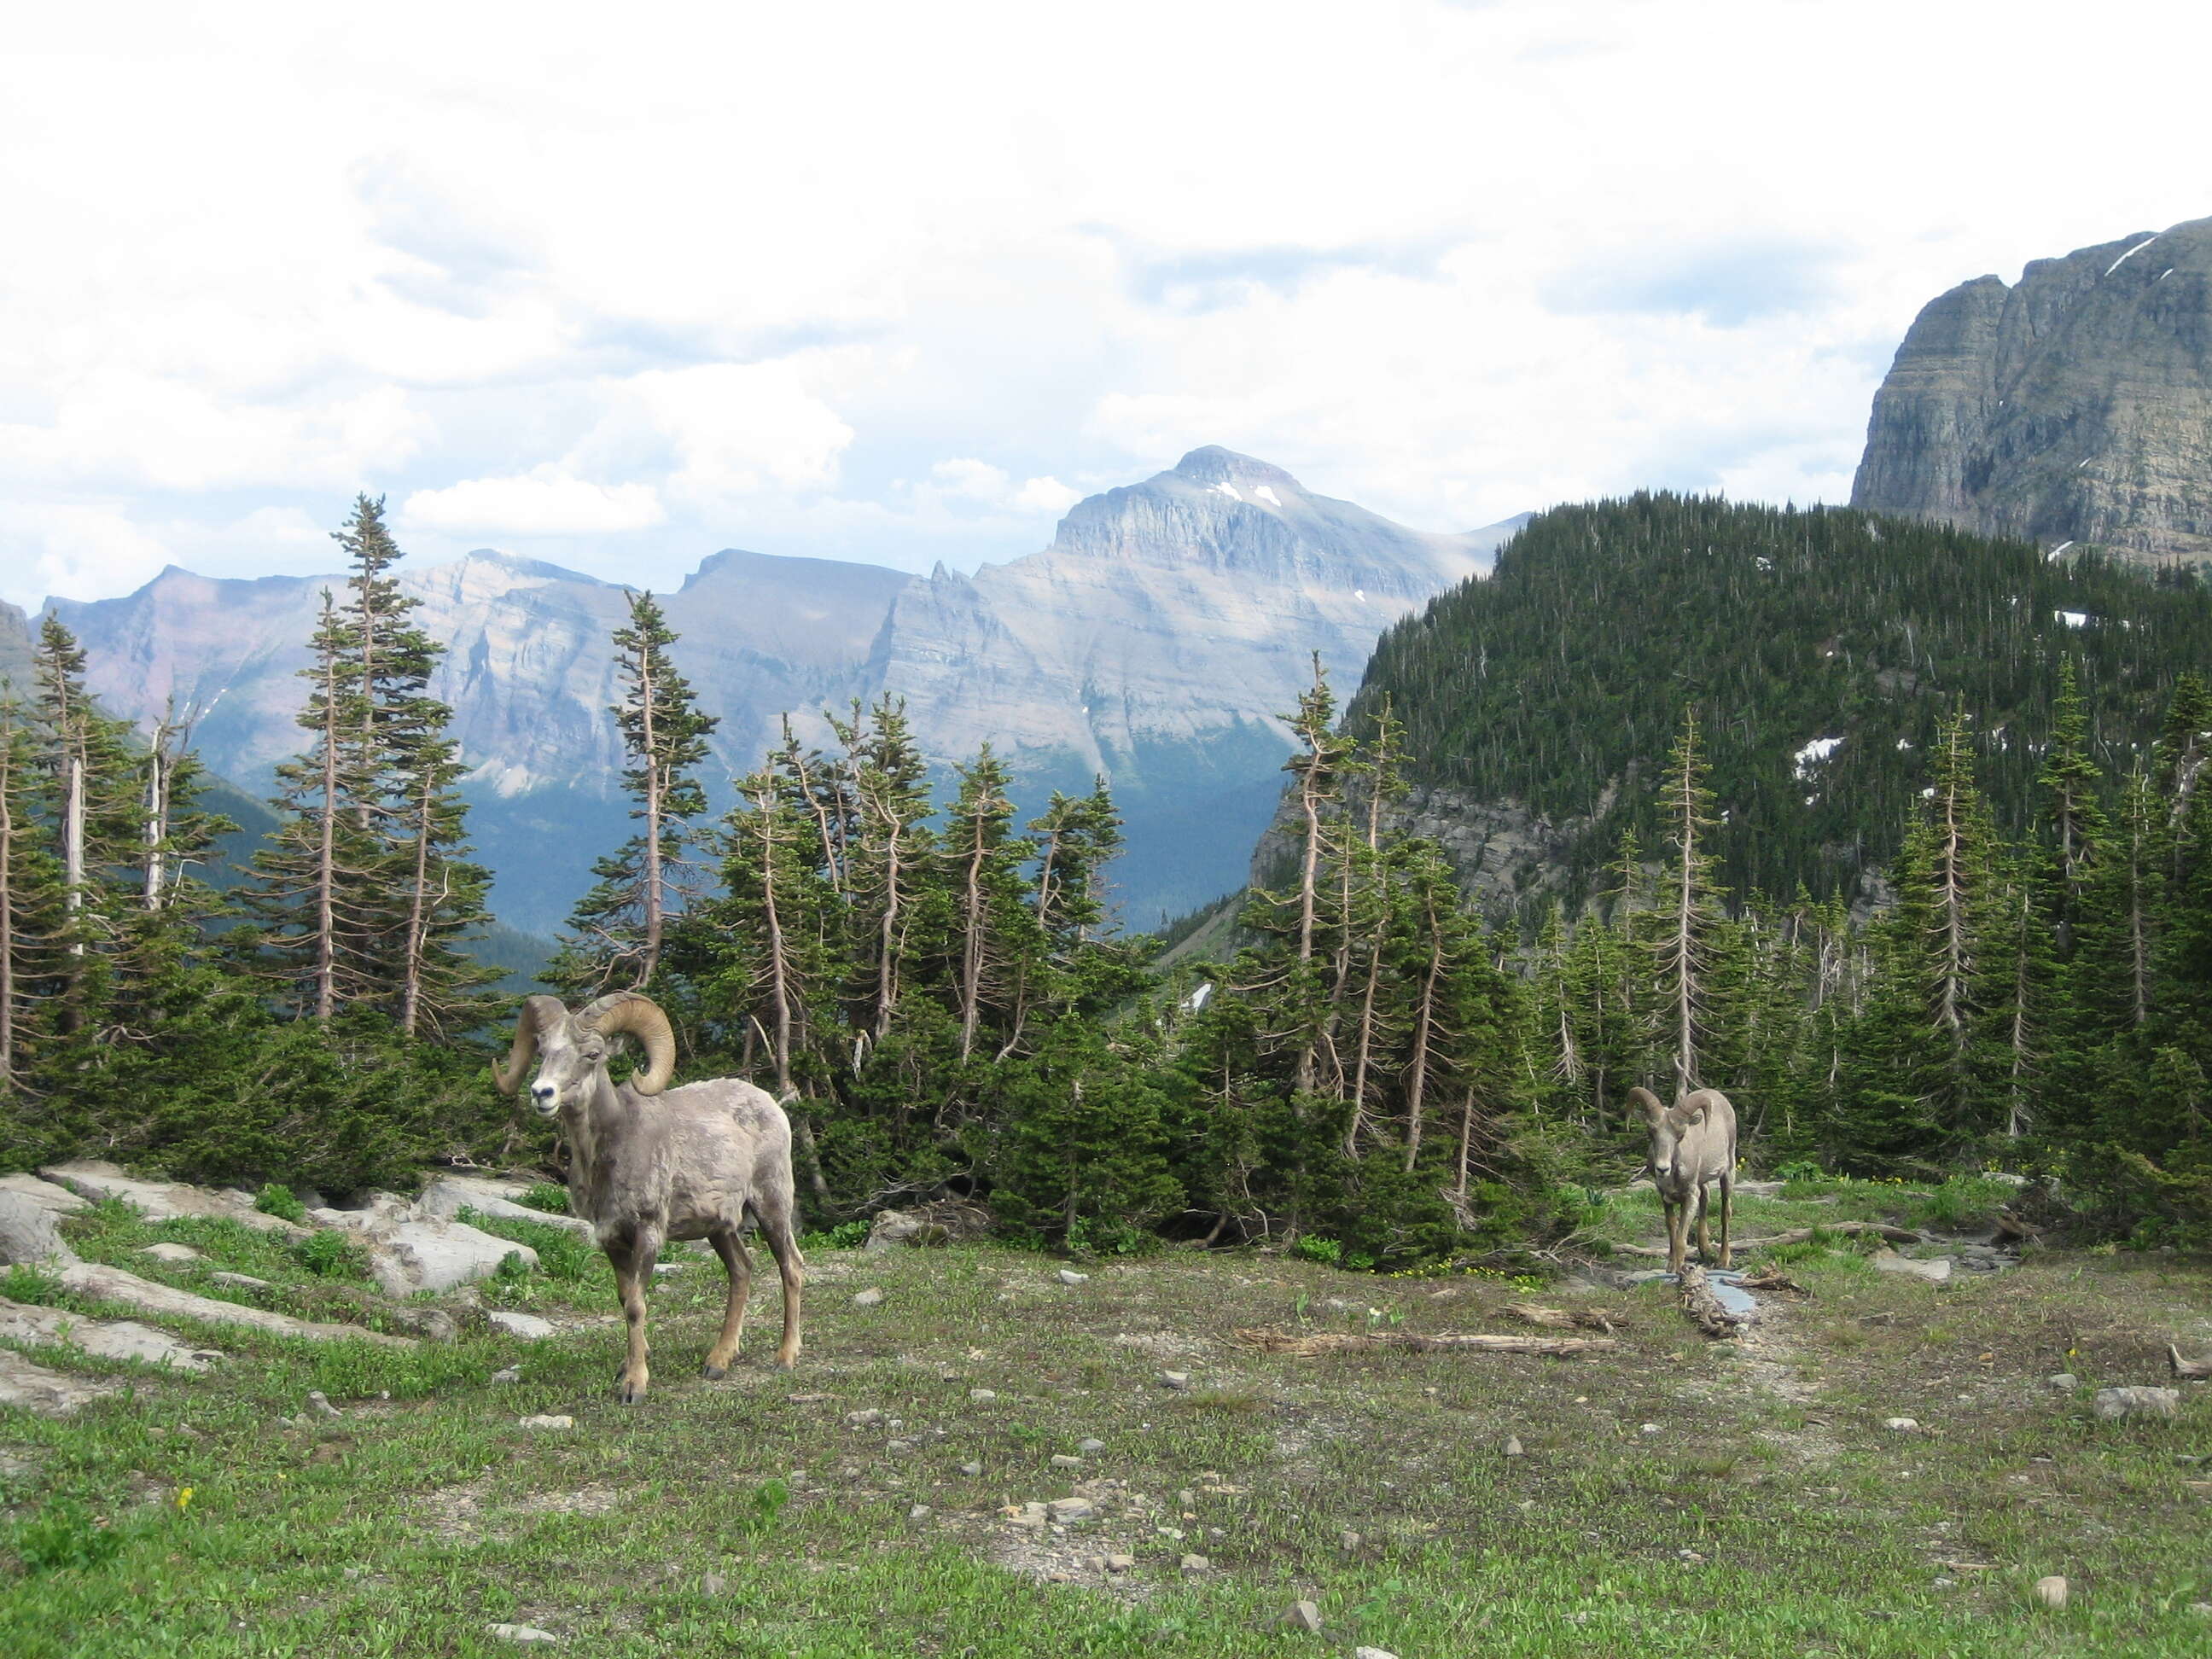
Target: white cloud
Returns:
[[544, 501], [1449, 260]]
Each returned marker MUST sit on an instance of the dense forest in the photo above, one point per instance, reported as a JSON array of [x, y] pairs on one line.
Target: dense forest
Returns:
[[1559, 681], [1382, 1076]]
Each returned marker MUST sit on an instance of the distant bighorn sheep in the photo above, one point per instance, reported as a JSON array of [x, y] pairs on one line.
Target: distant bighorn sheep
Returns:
[[646, 1167], [1693, 1143]]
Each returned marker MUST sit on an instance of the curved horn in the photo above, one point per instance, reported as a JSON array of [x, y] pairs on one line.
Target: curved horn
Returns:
[[536, 1010], [637, 1015]]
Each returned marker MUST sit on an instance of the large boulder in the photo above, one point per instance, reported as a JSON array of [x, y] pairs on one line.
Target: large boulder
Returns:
[[43, 1194], [949, 1221], [28, 1237], [436, 1255]]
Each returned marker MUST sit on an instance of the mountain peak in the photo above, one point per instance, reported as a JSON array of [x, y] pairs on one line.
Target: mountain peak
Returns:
[[1214, 465]]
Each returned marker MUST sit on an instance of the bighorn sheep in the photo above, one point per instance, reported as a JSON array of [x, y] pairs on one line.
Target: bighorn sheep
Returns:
[[1693, 1143], [646, 1167]]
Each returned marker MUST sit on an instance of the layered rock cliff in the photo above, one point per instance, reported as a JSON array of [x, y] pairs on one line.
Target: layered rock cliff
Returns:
[[2073, 407]]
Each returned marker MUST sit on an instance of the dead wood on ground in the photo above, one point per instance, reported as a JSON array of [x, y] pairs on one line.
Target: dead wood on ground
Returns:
[[1320, 1342]]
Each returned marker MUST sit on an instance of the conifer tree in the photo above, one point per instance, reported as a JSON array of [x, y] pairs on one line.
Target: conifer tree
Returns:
[[1684, 925], [620, 927]]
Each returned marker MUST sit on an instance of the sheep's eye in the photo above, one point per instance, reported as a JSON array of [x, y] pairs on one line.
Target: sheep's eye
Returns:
[[595, 1052]]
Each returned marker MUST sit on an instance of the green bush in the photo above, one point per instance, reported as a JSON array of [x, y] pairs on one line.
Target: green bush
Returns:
[[64, 1536], [328, 1254], [845, 1235], [561, 1254], [549, 1196], [1312, 1248], [280, 1202]]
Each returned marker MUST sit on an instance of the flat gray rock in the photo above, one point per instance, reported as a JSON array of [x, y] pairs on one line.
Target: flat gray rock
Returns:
[[56, 1199], [28, 1237], [2112, 1404], [1936, 1272], [447, 1197], [529, 1327], [164, 1201], [239, 1281], [32, 1388], [109, 1339], [172, 1253], [435, 1255]]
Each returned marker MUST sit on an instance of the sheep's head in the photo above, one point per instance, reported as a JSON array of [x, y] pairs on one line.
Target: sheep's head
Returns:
[[572, 1049], [1666, 1125]]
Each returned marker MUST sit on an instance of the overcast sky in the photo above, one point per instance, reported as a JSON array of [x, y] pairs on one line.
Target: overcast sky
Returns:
[[615, 287]]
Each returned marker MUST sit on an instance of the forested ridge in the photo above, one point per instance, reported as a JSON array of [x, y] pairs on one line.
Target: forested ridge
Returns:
[[1560, 682]]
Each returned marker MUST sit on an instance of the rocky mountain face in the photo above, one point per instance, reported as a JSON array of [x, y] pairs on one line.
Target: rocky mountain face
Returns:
[[1155, 640], [2073, 407], [15, 650]]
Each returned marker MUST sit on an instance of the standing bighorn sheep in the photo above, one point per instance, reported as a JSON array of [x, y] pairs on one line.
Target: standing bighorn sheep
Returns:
[[1693, 1143], [646, 1167]]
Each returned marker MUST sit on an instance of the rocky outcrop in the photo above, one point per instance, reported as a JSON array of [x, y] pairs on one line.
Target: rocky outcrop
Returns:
[[2073, 408], [15, 650], [1499, 851]]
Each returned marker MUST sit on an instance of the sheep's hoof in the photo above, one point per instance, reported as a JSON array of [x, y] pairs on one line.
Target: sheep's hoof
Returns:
[[713, 1373]]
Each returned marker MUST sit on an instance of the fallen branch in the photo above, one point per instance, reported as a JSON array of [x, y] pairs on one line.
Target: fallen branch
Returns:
[[1772, 1278], [1346, 1342], [1800, 1235], [1558, 1319], [2194, 1370], [1704, 1309]]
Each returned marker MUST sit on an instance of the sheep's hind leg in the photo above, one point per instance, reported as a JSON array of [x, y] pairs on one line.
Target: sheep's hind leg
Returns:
[[737, 1263], [1727, 1214], [773, 1213], [632, 1271]]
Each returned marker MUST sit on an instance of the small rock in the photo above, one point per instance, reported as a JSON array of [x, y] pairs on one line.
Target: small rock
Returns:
[[321, 1402], [713, 1583], [1064, 1509], [2051, 1591], [1177, 1380], [549, 1423], [1302, 1615], [521, 1633], [1194, 1563], [919, 1512], [1086, 1446], [2113, 1404], [1513, 1447], [982, 1396], [529, 1327], [508, 1374], [866, 1420], [1691, 1556], [660, 1268], [971, 1469], [1936, 1272], [1347, 1541], [1373, 1653], [1062, 1461], [172, 1253], [2063, 1382], [898, 1448], [1901, 1425], [239, 1281], [1069, 1276], [1650, 1428], [1119, 1563], [868, 1298]]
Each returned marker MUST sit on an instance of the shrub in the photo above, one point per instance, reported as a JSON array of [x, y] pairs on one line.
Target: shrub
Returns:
[[328, 1254], [64, 1535], [561, 1253], [280, 1202], [549, 1196], [1314, 1248], [845, 1235]]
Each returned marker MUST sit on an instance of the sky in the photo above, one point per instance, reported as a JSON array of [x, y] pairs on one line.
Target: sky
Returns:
[[618, 286]]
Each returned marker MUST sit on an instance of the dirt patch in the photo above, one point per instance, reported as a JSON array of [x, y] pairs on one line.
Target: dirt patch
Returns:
[[469, 1514]]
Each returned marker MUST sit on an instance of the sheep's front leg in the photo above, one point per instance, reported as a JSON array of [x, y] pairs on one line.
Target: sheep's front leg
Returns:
[[1676, 1244], [739, 1264], [633, 1270], [1727, 1214], [1701, 1196]]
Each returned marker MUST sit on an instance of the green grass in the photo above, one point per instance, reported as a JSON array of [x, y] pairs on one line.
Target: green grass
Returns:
[[749, 1517]]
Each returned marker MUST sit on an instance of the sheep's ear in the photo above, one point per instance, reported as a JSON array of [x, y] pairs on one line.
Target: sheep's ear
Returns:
[[1694, 1116]]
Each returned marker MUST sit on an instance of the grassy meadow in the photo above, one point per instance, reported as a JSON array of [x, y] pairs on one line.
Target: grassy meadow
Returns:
[[1670, 1496]]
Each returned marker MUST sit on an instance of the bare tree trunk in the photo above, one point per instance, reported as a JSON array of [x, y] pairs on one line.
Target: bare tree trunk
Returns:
[[779, 959], [1466, 1144], [157, 815], [653, 920], [326, 997], [887, 959], [73, 850], [7, 909], [971, 943], [418, 912], [1425, 1026]]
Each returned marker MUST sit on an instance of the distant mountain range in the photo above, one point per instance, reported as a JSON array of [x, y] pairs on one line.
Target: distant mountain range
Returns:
[[2072, 408], [1155, 640]]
